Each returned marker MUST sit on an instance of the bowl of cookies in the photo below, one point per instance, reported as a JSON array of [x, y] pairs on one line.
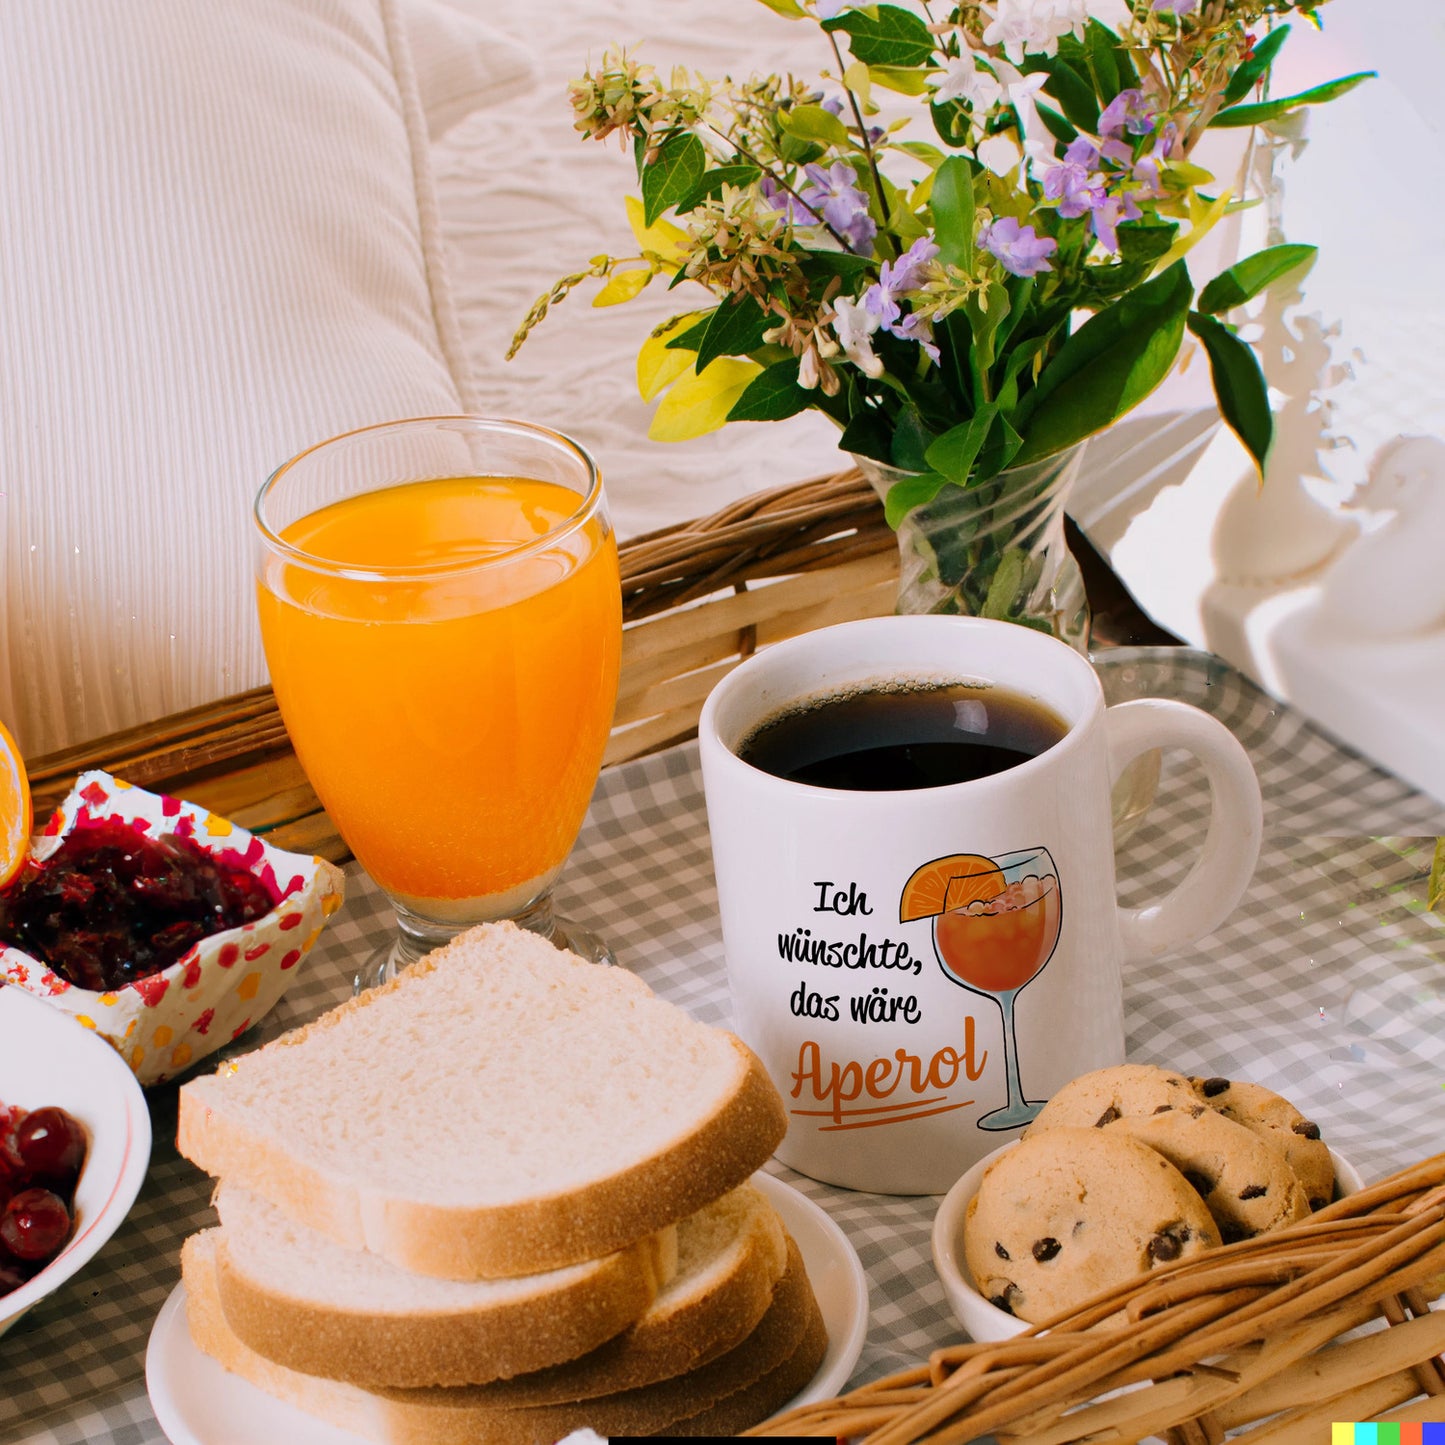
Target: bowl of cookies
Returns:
[[1125, 1170]]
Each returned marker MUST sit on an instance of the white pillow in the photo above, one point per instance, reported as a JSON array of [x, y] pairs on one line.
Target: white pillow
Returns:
[[460, 64], [218, 245]]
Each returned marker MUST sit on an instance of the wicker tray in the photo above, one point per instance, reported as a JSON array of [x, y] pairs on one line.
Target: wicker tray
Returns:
[[697, 599], [1264, 1335]]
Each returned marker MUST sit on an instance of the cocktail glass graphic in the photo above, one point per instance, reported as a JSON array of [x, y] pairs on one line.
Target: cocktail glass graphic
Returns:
[[998, 927]]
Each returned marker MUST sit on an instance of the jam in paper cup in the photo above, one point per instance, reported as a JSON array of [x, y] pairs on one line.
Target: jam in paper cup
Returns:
[[177, 992]]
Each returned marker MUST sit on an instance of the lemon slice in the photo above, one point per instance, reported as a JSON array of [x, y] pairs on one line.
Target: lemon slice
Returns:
[[16, 817]]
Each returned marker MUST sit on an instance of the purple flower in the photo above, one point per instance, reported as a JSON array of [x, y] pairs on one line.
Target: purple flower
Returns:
[[878, 301], [910, 270], [1108, 216], [1146, 169], [897, 279], [1131, 111], [1074, 187], [1020, 249], [834, 194], [1082, 152], [779, 198], [917, 328], [1176, 7]]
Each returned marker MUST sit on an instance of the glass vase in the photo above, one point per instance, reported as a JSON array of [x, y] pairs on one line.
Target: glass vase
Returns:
[[994, 548]]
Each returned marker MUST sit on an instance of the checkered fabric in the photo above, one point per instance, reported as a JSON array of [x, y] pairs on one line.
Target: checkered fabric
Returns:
[[1325, 985]]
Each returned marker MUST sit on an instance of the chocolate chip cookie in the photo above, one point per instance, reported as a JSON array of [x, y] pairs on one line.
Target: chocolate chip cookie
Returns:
[[1068, 1212], [1278, 1122], [1123, 1091], [1245, 1183]]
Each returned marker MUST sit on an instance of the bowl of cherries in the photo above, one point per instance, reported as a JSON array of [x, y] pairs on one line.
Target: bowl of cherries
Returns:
[[75, 1141]]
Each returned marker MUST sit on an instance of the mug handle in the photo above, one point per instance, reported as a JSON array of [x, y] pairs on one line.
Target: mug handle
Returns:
[[1215, 884]]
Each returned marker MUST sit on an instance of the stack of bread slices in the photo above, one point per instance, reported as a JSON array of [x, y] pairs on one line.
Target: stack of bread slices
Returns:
[[504, 1197]]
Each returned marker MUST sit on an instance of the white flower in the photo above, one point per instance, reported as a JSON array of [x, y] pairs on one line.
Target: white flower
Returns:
[[1033, 26], [854, 325], [966, 79], [999, 153]]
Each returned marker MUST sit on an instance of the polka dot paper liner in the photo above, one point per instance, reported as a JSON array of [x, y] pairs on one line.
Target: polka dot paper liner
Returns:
[[223, 984]]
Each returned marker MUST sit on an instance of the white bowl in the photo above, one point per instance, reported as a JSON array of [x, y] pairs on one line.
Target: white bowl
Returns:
[[48, 1058], [984, 1321]]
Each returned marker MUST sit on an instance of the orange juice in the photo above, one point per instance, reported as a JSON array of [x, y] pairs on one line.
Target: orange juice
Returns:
[[451, 715]]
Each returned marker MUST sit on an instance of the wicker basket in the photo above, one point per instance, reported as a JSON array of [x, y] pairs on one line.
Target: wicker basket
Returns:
[[697, 599], [1270, 1335]]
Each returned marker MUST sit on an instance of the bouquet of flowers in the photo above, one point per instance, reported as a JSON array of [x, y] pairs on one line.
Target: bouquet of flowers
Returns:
[[966, 244]]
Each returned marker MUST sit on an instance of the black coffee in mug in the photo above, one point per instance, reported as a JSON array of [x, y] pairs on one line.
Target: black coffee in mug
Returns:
[[896, 736]]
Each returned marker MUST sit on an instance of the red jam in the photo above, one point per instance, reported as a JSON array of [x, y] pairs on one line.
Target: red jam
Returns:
[[112, 905], [41, 1154]]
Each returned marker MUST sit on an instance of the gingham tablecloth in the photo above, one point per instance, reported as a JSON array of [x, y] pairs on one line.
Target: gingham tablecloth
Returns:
[[1328, 984]]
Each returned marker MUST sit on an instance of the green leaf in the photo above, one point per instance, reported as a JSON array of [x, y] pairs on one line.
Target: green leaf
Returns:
[[1073, 92], [1238, 115], [691, 339], [911, 440], [885, 35], [710, 183], [672, 174], [1056, 125], [813, 123], [951, 202], [1435, 896], [1004, 586], [922, 150], [695, 405], [954, 453], [987, 310], [788, 9], [1239, 385], [1107, 367], [1099, 53], [913, 491], [734, 329], [622, 286], [773, 395], [952, 122], [1247, 278], [899, 78], [868, 434], [1252, 71]]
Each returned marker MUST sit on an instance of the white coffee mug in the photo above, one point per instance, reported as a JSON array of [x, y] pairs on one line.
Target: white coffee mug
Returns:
[[918, 970]]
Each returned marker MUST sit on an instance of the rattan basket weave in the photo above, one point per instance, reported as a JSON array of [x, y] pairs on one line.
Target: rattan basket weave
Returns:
[[1271, 1336], [697, 598]]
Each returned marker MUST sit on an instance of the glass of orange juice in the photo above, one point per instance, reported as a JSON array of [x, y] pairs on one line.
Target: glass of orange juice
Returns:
[[442, 618]]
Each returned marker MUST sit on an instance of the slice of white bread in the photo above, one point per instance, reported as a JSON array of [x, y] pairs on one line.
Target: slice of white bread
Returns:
[[730, 1256], [738, 1388], [499, 1109], [305, 1302]]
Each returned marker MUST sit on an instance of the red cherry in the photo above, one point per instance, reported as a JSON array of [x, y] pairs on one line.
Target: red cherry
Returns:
[[51, 1145], [34, 1225], [12, 1276]]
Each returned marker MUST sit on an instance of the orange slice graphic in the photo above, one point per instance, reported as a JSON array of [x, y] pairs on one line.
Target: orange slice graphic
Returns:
[[15, 814], [951, 882]]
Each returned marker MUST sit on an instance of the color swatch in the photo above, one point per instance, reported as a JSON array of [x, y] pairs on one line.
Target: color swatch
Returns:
[[1383, 1433]]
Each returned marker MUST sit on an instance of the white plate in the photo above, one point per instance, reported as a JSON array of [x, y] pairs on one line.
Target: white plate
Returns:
[[48, 1058], [199, 1403]]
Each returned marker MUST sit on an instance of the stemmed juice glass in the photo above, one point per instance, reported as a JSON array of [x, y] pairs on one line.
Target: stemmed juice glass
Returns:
[[999, 927], [442, 618]]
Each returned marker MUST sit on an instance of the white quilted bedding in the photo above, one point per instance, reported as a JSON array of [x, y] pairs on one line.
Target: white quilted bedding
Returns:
[[524, 200]]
